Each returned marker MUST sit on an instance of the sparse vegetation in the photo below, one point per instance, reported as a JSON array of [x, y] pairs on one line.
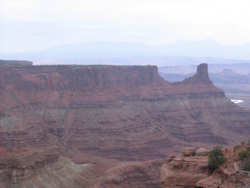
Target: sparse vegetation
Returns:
[[244, 157], [216, 158]]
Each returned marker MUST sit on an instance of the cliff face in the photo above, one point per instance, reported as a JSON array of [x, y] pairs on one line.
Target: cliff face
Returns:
[[121, 112], [201, 76]]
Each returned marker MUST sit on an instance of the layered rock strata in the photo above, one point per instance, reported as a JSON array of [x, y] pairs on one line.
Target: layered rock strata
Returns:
[[119, 112], [42, 169]]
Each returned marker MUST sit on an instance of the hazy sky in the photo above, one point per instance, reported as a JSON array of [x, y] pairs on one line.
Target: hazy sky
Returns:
[[30, 25]]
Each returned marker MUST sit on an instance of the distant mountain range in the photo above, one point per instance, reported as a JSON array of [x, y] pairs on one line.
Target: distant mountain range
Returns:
[[122, 53], [215, 66]]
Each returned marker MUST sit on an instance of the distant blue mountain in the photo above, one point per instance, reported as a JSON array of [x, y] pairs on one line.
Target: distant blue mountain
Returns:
[[138, 53]]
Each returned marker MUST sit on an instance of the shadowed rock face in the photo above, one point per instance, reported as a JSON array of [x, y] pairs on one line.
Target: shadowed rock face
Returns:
[[119, 112]]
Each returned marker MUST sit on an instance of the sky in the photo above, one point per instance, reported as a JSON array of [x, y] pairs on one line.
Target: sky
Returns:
[[34, 25]]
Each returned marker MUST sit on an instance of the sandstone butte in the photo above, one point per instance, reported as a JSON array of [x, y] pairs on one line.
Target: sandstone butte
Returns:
[[52, 117]]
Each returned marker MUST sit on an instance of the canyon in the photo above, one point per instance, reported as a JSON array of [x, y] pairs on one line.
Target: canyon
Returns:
[[233, 79], [79, 121]]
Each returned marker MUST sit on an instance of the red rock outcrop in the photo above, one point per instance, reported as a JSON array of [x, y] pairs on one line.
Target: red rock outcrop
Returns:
[[119, 112], [201, 76], [178, 172], [193, 172]]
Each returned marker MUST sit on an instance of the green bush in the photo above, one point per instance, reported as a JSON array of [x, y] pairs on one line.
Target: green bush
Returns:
[[244, 156], [215, 159]]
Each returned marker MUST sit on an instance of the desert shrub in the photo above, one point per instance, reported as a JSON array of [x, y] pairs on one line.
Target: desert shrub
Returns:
[[244, 154], [215, 159], [244, 157]]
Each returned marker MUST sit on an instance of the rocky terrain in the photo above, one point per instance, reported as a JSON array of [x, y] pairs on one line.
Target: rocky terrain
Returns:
[[87, 122], [189, 170], [119, 112], [47, 169], [35, 168]]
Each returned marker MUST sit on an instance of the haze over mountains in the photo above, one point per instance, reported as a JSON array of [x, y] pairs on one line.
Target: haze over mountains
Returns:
[[125, 53], [124, 94]]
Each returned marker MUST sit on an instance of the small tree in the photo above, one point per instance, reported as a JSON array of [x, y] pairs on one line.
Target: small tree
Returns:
[[215, 159], [245, 153]]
